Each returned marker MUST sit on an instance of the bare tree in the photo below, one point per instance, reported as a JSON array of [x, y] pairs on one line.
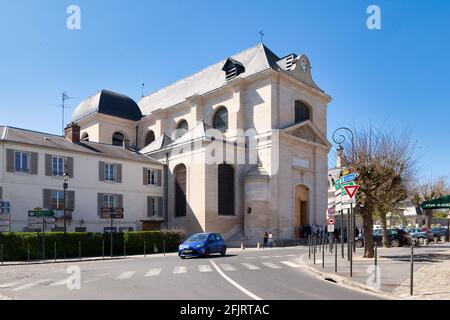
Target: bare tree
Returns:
[[385, 163], [431, 189]]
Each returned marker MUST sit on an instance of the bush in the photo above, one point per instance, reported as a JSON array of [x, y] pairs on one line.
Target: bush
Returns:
[[17, 245]]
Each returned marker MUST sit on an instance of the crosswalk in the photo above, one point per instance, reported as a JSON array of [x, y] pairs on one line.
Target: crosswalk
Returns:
[[180, 270]]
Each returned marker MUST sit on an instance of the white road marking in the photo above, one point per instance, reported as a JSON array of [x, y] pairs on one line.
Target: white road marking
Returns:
[[291, 264], [59, 283], [290, 255], [234, 283], [277, 256], [125, 275], [204, 268], [271, 265], [228, 267], [250, 266], [250, 257], [31, 285], [179, 270], [153, 272], [265, 257]]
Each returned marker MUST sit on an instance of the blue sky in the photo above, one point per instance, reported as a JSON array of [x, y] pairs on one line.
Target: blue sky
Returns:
[[394, 77]]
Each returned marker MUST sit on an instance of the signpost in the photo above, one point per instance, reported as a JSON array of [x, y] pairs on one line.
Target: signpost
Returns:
[[111, 213]]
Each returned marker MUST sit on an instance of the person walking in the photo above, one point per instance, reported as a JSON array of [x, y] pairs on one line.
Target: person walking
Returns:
[[270, 237], [265, 239]]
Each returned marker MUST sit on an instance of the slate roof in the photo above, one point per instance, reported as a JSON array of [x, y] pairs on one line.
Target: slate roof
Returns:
[[255, 60], [110, 103], [40, 139]]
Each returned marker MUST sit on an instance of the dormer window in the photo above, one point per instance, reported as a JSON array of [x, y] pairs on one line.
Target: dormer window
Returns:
[[290, 61], [232, 69]]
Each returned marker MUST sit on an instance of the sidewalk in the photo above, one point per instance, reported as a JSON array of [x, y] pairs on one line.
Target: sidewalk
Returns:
[[392, 278]]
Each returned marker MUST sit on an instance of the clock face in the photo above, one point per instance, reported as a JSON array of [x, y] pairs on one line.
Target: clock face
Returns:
[[304, 65]]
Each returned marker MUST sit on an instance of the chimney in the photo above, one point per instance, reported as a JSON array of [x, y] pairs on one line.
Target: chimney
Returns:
[[72, 132], [340, 153], [126, 143]]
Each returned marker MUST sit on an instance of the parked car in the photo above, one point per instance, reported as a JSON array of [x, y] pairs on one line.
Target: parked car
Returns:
[[377, 227], [202, 245], [397, 238], [440, 233], [420, 234]]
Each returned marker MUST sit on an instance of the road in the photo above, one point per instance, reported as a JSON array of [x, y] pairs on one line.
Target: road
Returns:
[[267, 274]]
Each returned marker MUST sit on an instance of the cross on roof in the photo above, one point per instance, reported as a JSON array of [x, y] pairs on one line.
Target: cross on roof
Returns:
[[261, 33]]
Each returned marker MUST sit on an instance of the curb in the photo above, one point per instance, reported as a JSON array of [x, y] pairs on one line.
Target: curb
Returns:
[[345, 282]]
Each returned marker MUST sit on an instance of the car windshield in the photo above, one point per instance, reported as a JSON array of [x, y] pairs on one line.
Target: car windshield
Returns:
[[200, 237]]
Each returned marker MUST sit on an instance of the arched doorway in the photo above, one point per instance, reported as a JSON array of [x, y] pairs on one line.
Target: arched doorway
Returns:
[[180, 190], [301, 215]]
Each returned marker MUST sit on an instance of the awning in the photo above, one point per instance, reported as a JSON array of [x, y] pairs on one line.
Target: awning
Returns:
[[441, 203]]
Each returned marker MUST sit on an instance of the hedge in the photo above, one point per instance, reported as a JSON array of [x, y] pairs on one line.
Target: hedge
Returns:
[[17, 245]]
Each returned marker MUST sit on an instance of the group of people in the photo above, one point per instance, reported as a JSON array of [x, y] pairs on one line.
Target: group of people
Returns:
[[268, 238]]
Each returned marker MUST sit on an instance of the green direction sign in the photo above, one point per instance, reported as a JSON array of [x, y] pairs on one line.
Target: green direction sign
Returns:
[[342, 187], [41, 213]]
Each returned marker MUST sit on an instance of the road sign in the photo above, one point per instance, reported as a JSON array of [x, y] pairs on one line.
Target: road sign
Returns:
[[331, 211], [40, 226], [5, 216], [330, 228], [348, 178], [351, 191], [109, 229], [114, 213], [41, 220], [41, 213], [331, 221]]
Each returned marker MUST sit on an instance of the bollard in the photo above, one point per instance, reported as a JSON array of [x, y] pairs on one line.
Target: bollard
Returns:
[[124, 249], [242, 245], [103, 249], [145, 251], [376, 254], [425, 241], [411, 281], [314, 249], [1, 252], [79, 250], [435, 240], [335, 254], [28, 252], [258, 245], [155, 248], [309, 247], [55, 250], [323, 255], [164, 247]]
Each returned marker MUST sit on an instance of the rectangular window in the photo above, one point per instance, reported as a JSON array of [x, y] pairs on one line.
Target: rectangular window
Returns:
[[110, 172], [151, 177], [80, 229], [57, 166], [109, 201], [22, 162], [57, 200]]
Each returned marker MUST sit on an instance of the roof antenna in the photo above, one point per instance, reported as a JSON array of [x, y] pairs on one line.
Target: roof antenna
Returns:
[[261, 33], [143, 85], [63, 106]]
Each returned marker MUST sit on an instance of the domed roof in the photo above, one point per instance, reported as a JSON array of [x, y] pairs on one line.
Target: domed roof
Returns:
[[110, 103]]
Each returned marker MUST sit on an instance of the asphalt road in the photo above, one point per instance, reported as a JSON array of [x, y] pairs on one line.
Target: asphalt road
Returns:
[[269, 274]]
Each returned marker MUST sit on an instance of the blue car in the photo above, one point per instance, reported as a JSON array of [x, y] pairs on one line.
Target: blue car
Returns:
[[202, 245]]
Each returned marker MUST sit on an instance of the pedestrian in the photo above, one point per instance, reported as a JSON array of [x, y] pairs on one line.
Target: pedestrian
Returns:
[[270, 236], [265, 239]]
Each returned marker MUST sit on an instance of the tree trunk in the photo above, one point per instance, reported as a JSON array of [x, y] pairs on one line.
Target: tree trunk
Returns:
[[368, 228], [386, 242], [428, 217]]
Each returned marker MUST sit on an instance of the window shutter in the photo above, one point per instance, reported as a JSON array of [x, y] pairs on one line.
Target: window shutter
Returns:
[[99, 203], [48, 165], [71, 200], [1, 192], [119, 201], [10, 160], [149, 206], [118, 168], [70, 166], [34, 163], [158, 178], [101, 171], [160, 206], [47, 199], [145, 177]]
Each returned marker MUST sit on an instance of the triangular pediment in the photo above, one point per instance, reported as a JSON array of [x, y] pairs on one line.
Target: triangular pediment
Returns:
[[307, 132]]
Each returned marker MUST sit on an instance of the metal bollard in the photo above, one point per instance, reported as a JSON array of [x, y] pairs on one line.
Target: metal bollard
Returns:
[[323, 255], [164, 247], [335, 254], [79, 250], [411, 282], [103, 249], [124, 249], [376, 253], [309, 247], [1, 252], [55, 250], [314, 249], [28, 253], [145, 251]]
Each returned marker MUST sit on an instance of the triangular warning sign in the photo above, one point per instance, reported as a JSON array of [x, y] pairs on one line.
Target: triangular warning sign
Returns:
[[351, 191]]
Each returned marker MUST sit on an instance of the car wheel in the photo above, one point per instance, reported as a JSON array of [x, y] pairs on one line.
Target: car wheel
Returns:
[[395, 243], [224, 251], [182, 257], [443, 238], [421, 240], [359, 244]]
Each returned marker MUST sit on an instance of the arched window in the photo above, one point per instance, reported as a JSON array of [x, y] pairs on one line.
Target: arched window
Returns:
[[117, 139], [226, 190], [181, 129], [85, 137], [302, 112], [220, 121], [180, 190], [150, 137]]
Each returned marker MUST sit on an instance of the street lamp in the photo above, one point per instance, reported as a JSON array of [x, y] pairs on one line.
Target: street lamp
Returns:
[[65, 187]]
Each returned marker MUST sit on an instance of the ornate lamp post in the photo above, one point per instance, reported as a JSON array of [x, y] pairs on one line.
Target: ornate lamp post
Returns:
[[339, 138], [65, 187]]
